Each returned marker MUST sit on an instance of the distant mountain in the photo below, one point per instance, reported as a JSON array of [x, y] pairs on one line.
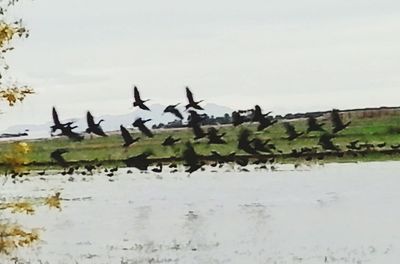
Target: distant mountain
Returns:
[[112, 122]]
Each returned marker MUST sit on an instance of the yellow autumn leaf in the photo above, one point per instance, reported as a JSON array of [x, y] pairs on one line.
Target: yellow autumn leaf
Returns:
[[54, 201]]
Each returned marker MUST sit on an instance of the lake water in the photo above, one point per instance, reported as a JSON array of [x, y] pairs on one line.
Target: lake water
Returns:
[[337, 213]]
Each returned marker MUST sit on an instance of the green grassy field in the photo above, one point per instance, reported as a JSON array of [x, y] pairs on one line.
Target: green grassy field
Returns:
[[371, 130]]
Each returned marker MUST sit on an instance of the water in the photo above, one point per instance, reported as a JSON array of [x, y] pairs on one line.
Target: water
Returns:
[[337, 213]]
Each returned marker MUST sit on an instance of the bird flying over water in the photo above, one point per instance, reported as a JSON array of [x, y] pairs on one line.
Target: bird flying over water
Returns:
[[93, 127], [140, 124], [192, 103], [138, 101], [57, 124]]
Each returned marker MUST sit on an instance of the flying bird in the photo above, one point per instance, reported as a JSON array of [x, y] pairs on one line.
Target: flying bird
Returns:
[[244, 143], [57, 124], [170, 141], [214, 137], [173, 110], [237, 118], [258, 115], [128, 139], [140, 124], [140, 161], [313, 125], [337, 122], [192, 103], [191, 158], [56, 155], [291, 131], [325, 141], [93, 127], [138, 101]]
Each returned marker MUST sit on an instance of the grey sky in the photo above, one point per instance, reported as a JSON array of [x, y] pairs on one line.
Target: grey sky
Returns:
[[284, 55]]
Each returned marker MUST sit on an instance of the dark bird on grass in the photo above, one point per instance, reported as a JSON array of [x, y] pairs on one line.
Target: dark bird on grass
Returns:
[[353, 145], [128, 139], [159, 168], [263, 146], [140, 124], [214, 137], [140, 161], [173, 110], [56, 155], [238, 119], [57, 124], [192, 103], [170, 141], [337, 122], [291, 131], [325, 141], [313, 125], [244, 143], [242, 161], [191, 158], [138, 101], [93, 127]]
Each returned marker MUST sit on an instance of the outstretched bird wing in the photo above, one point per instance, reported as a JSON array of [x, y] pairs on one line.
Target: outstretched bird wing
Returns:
[[56, 120], [136, 94], [90, 119], [177, 113], [189, 95], [143, 128], [126, 135]]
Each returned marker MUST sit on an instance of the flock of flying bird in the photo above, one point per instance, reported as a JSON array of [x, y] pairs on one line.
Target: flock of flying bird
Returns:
[[193, 161]]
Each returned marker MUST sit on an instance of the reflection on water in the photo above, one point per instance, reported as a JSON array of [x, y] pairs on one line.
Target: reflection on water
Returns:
[[339, 213]]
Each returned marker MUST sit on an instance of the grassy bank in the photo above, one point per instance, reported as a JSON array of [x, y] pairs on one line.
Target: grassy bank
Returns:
[[370, 130]]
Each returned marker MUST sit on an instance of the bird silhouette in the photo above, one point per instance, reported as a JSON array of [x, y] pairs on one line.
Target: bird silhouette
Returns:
[[214, 137], [192, 103], [56, 155], [222, 159], [263, 146], [57, 124], [173, 110], [67, 131], [244, 143], [237, 118], [140, 124], [325, 141], [140, 161], [170, 141], [264, 122], [313, 125], [191, 158], [195, 119], [337, 122], [198, 132], [128, 139], [93, 127], [258, 115], [291, 131], [138, 101]]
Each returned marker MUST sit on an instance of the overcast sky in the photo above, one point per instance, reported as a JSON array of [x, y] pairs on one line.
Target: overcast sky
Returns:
[[288, 55]]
